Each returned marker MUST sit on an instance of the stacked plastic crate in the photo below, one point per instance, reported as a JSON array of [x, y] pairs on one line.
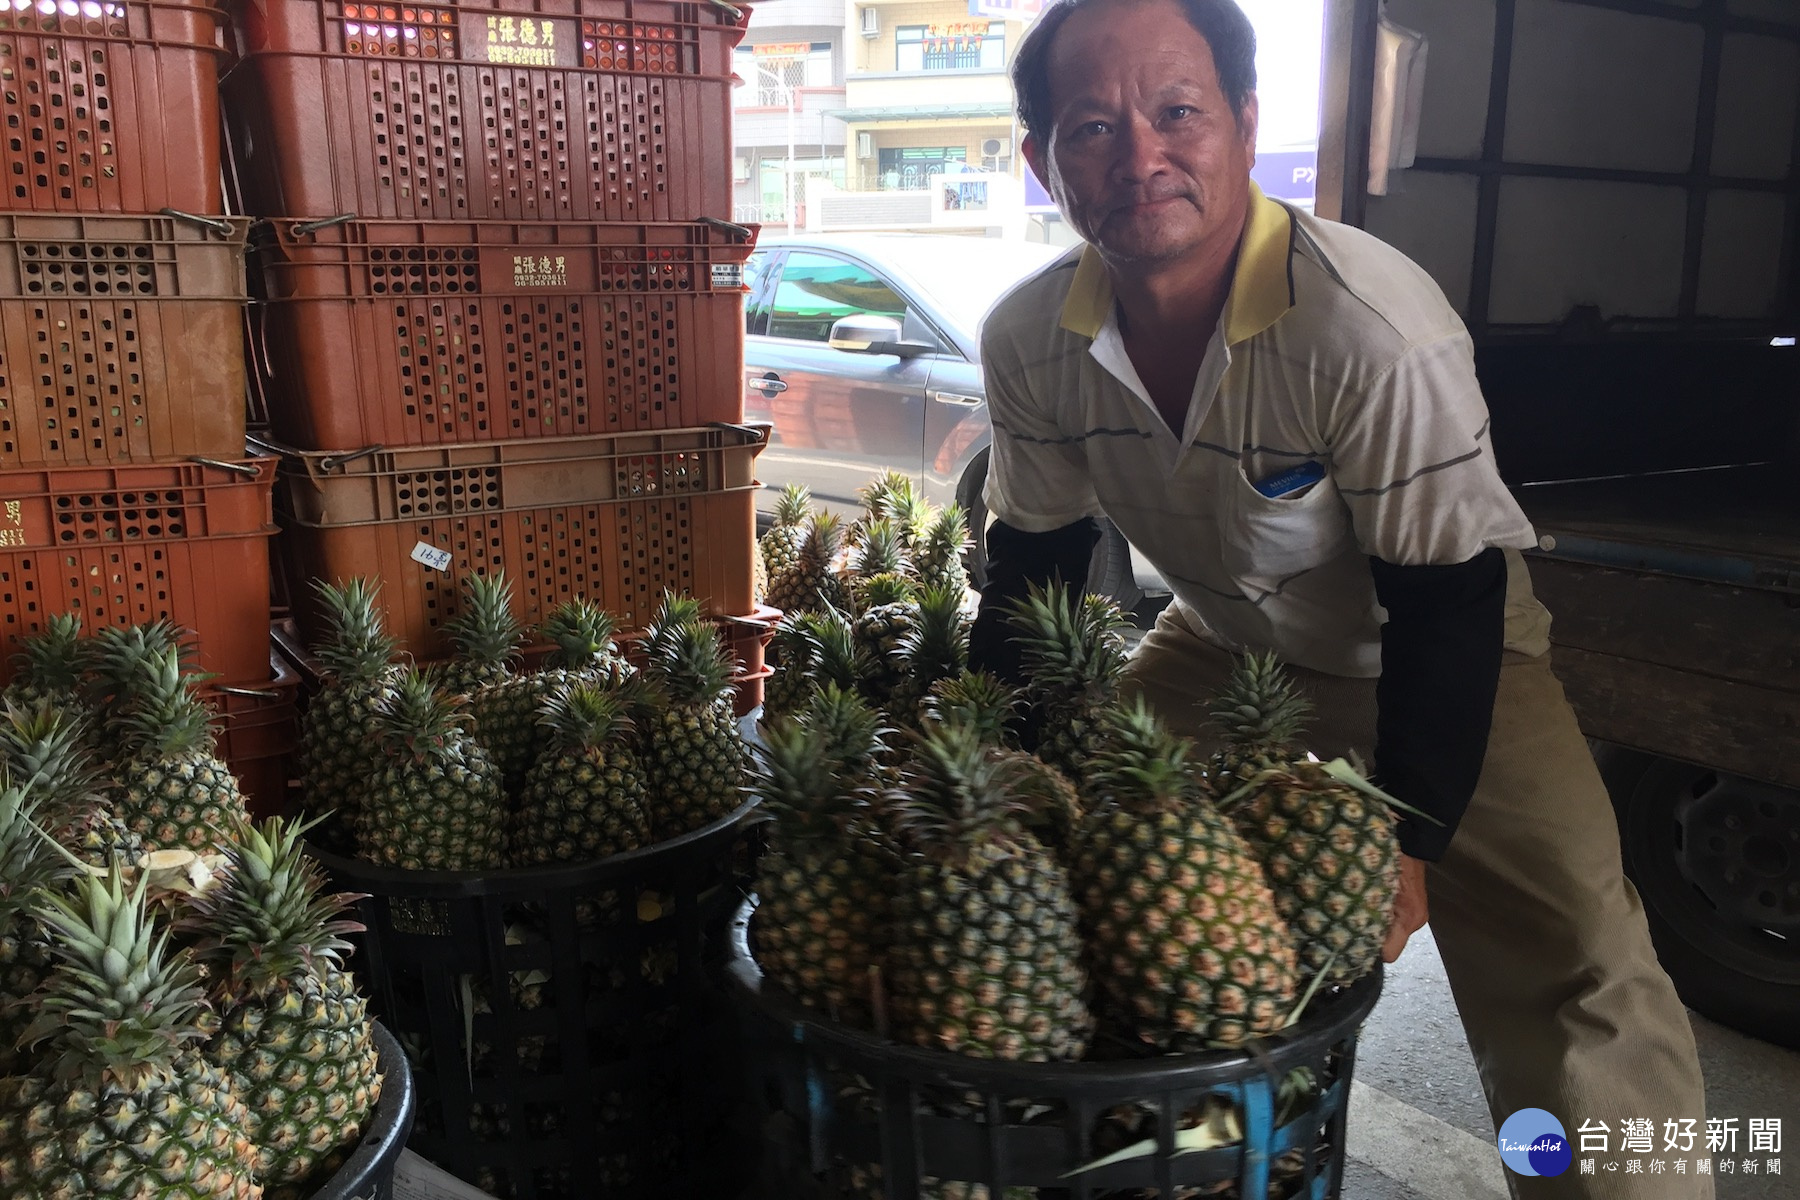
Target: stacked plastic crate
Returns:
[[502, 318], [125, 492]]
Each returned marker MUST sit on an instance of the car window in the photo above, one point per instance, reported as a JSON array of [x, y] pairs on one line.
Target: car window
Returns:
[[816, 291], [756, 302]]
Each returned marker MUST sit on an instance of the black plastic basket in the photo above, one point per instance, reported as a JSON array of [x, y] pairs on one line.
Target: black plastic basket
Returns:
[[850, 1100], [368, 1174], [566, 1026]]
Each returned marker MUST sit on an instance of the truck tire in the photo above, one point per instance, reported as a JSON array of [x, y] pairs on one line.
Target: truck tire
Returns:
[[1716, 859], [1109, 574]]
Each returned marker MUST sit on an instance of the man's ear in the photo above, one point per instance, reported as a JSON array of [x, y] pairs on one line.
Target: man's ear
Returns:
[[1247, 126], [1035, 159]]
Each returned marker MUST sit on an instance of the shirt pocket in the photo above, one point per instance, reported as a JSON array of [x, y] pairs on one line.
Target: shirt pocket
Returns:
[[1265, 541]]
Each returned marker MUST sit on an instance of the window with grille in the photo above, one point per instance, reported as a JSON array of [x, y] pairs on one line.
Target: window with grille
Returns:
[[956, 46]]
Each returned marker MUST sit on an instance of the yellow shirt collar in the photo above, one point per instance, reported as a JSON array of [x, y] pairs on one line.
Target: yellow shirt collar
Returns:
[[1261, 288]]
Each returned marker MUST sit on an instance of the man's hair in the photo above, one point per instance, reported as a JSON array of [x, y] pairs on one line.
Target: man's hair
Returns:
[[1221, 22]]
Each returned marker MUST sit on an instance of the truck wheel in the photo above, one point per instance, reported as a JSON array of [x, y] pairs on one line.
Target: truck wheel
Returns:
[[1716, 859], [1110, 573]]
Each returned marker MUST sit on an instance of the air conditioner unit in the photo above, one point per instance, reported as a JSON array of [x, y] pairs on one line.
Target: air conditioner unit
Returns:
[[740, 168], [871, 22], [996, 147], [865, 145]]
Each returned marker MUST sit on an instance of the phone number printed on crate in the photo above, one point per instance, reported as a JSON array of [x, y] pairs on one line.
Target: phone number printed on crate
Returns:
[[522, 41], [534, 271]]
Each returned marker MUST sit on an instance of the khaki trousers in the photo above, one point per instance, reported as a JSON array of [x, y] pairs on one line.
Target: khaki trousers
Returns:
[[1543, 938]]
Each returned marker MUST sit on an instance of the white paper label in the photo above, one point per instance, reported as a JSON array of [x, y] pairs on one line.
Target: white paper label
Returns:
[[431, 556], [417, 1179], [727, 275]]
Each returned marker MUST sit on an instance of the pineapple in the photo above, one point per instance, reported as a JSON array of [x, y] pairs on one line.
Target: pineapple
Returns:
[[46, 749], [816, 649], [881, 553], [437, 803], [295, 1037], [1187, 942], [171, 789], [340, 748], [853, 732], [124, 1105], [116, 656], [938, 560], [780, 546], [585, 797], [987, 952], [812, 583], [1073, 657], [881, 498], [487, 638], [51, 666], [937, 649], [585, 652], [792, 649], [823, 883], [29, 865], [889, 612], [695, 755], [1329, 850]]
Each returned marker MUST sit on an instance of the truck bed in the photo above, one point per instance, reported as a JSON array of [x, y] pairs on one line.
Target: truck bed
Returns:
[[1738, 525]]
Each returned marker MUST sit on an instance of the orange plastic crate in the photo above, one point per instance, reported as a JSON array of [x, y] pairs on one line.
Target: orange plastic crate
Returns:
[[585, 110], [258, 728], [619, 554], [188, 542], [121, 339], [409, 333], [110, 105]]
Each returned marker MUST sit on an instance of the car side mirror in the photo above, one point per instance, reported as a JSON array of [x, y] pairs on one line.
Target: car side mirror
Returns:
[[867, 333]]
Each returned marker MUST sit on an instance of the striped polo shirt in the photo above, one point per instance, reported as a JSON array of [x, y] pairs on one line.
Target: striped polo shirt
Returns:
[[1333, 349]]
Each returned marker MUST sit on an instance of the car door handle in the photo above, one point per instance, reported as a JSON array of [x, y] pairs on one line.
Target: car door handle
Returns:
[[956, 398], [767, 384]]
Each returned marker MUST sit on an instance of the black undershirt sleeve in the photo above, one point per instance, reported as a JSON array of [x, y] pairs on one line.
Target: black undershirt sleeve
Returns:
[[1440, 668], [1016, 560]]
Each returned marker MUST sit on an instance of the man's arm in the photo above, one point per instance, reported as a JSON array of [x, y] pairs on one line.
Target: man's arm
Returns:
[[1440, 669], [1016, 560]]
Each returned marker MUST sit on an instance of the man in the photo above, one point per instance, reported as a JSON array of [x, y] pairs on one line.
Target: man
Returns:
[[1173, 374]]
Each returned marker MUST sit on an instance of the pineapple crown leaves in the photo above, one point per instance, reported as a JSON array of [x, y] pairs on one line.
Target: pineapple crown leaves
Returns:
[[1070, 643], [939, 645], [852, 730], [418, 719], [824, 535], [798, 775], [1144, 767], [118, 1004], [45, 746], [357, 647], [889, 587], [115, 660], [29, 861], [837, 657], [793, 645], [674, 611], [583, 633], [960, 802], [883, 551], [167, 718], [1259, 709], [586, 715], [794, 505], [978, 700], [692, 665], [267, 918], [485, 631], [881, 494], [946, 535], [55, 657]]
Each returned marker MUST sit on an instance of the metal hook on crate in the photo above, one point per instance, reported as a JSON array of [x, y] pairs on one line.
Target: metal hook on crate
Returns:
[[741, 232], [756, 431], [308, 228], [239, 468], [218, 225], [335, 461], [252, 693], [737, 14]]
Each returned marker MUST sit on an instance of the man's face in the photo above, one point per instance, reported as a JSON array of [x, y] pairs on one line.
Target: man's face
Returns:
[[1144, 156]]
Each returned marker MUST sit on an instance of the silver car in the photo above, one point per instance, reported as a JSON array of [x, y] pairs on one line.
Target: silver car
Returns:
[[863, 350]]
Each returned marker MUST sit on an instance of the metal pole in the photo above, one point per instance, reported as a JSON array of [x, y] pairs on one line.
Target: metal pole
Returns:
[[790, 159]]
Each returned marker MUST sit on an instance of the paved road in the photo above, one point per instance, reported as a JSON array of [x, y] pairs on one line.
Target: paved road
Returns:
[[1419, 1128]]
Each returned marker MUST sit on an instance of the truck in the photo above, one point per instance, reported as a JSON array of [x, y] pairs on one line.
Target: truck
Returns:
[[1609, 192]]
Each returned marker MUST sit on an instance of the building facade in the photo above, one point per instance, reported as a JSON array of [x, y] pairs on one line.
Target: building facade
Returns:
[[792, 62]]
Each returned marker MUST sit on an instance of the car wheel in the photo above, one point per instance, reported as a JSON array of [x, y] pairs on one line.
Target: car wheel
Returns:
[[1716, 859], [1109, 574]]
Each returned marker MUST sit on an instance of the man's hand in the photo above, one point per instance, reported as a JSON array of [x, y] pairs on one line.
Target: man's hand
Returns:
[[1410, 909]]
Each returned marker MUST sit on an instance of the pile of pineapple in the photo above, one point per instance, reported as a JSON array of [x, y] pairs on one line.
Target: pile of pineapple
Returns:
[[1043, 873], [474, 764], [175, 1016]]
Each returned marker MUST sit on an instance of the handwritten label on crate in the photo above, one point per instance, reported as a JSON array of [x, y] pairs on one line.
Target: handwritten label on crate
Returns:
[[12, 524], [431, 556], [520, 40]]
